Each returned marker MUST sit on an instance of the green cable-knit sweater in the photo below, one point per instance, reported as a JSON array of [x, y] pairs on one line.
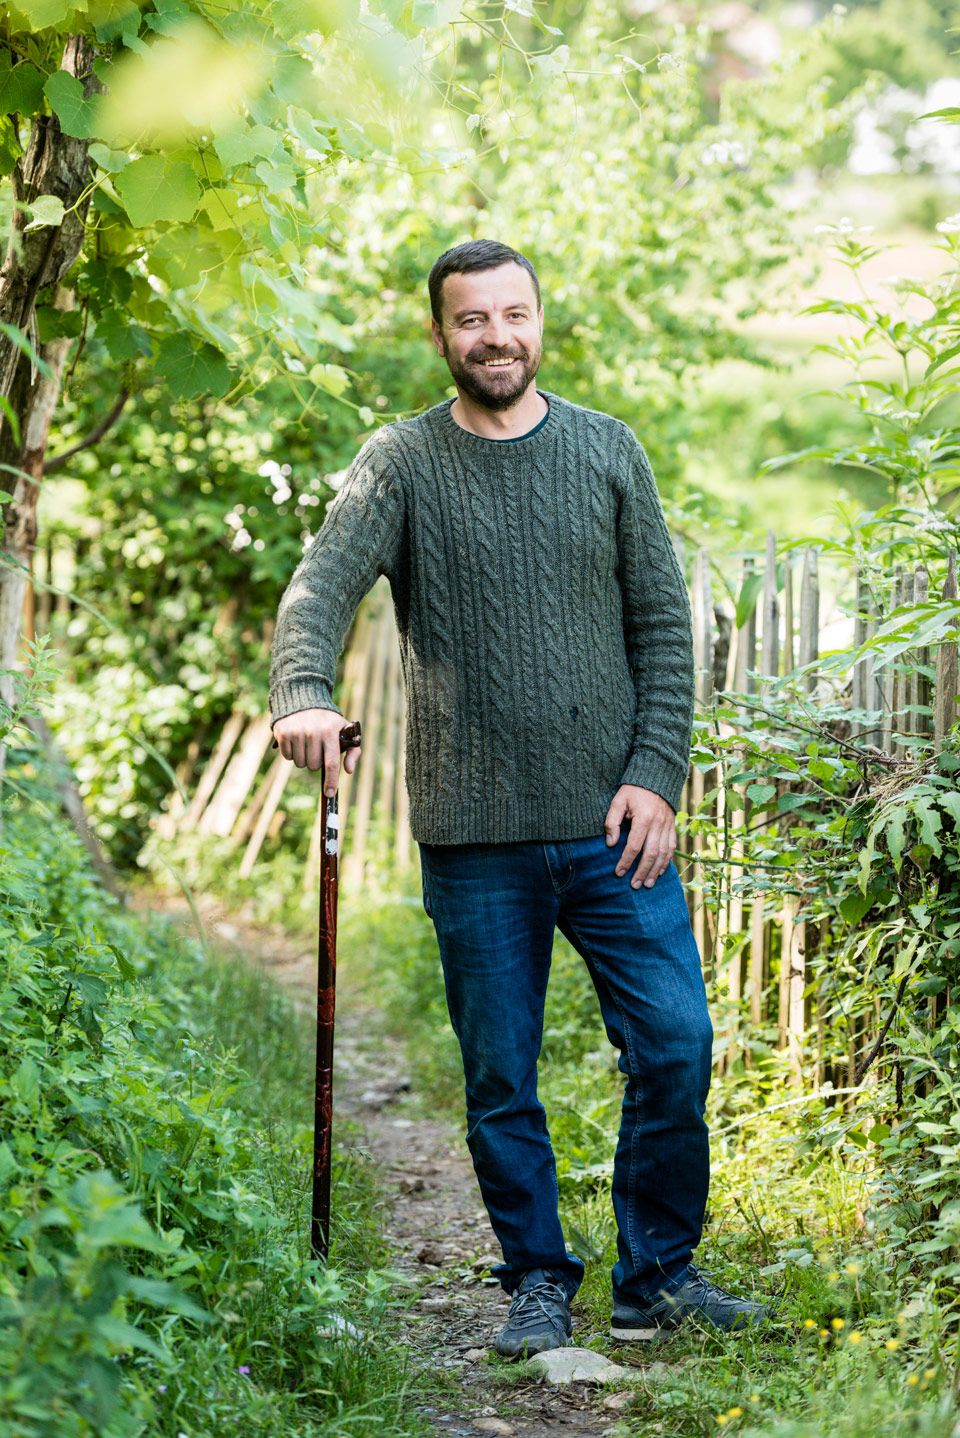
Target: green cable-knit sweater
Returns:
[[544, 623]]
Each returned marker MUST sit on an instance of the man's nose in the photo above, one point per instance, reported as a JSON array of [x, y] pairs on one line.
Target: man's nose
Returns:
[[497, 334]]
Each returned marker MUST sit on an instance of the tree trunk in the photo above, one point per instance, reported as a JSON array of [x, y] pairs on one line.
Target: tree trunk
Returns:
[[36, 260]]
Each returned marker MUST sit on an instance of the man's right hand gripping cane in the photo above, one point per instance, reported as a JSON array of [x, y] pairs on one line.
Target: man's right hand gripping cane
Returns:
[[311, 738]]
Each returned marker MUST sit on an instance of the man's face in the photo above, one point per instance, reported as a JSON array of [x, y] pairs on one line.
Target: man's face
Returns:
[[490, 335]]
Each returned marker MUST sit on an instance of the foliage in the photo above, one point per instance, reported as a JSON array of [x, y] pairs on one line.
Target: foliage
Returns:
[[154, 1154]]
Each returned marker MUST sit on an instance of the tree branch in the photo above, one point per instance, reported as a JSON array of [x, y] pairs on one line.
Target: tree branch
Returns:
[[56, 461]]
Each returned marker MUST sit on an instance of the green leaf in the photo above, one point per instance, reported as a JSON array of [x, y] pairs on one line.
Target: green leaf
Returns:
[[242, 147], [930, 822], [25, 1081], [154, 190], [192, 370], [761, 793], [894, 833], [788, 802], [749, 591], [854, 906], [879, 1132], [428, 13], [77, 114], [124, 1336], [44, 210], [127, 971], [21, 87]]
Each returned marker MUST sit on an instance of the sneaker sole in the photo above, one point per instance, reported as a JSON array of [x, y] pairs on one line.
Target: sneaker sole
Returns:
[[639, 1335]]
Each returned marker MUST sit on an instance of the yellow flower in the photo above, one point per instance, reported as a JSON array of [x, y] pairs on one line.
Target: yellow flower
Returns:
[[853, 1269], [832, 1276], [929, 1372], [735, 1413], [809, 1323], [824, 1333], [837, 1323], [892, 1344], [913, 1380], [721, 1418], [754, 1397], [854, 1337]]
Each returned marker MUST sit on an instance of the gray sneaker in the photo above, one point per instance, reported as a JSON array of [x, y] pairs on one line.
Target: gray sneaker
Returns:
[[695, 1298], [538, 1318]]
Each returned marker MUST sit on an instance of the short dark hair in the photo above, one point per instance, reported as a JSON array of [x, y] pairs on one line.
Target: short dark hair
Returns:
[[465, 259]]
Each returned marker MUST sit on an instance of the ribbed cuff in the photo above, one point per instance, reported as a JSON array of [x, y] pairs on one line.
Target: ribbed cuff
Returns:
[[651, 770], [296, 694]]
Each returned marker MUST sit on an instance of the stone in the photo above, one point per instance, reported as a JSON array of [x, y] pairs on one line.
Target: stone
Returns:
[[473, 1355], [494, 1425], [618, 1401], [576, 1365]]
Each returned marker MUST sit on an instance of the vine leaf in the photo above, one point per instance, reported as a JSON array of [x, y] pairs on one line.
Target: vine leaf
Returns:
[[154, 189], [77, 114], [191, 371]]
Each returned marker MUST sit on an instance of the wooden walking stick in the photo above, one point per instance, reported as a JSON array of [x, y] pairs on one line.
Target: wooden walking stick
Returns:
[[326, 1007]]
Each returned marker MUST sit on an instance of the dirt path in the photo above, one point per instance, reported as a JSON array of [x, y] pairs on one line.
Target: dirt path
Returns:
[[435, 1220]]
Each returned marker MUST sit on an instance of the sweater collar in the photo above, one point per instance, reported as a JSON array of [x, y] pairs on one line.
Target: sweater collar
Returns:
[[479, 442]]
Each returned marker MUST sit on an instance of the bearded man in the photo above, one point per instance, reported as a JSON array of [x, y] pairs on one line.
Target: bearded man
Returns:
[[547, 657]]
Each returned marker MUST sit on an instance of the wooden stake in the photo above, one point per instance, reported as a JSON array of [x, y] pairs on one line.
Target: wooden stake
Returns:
[[948, 680], [809, 616]]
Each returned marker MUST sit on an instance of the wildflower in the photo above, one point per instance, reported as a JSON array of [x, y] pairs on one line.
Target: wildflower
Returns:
[[929, 1372], [853, 1269], [837, 1323], [244, 1368], [722, 1418], [855, 1337], [913, 1380], [161, 1388], [809, 1323], [735, 1413], [824, 1333], [949, 226], [892, 1344], [754, 1397], [832, 1276]]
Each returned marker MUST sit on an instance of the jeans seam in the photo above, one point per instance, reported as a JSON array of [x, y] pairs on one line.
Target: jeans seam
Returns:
[[632, 1059]]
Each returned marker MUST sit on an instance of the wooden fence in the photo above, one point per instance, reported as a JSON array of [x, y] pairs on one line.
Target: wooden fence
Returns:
[[758, 949]]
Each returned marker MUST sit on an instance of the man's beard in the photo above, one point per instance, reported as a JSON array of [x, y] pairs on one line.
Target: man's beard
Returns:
[[492, 388]]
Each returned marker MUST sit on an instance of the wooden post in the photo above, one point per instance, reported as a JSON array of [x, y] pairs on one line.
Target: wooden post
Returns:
[[702, 608], [265, 819], [796, 1004], [947, 681], [783, 989], [221, 813], [215, 765], [352, 871], [746, 645], [788, 651], [770, 638], [918, 692], [809, 616], [863, 669]]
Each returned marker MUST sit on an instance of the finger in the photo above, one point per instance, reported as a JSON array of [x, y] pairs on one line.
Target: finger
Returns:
[[634, 845], [649, 859], [314, 751], [284, 745], [614, 819], [297, 753], [658, 865], [350, 758], [331, 768]]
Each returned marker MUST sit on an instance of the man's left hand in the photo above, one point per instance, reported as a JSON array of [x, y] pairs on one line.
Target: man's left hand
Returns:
[[653, 833]]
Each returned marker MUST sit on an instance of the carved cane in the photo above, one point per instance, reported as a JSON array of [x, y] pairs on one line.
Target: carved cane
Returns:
[[326, 1009]]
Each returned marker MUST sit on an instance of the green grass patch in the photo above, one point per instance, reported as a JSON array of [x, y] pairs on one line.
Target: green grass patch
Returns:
[[155, 1150]]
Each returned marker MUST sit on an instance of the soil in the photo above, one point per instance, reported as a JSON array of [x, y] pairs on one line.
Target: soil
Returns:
[[435, 1222]]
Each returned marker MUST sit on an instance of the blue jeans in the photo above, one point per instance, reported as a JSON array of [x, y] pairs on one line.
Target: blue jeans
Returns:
[[494, 907]]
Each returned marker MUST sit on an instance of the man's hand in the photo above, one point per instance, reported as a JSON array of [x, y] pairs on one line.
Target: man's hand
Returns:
[[311, 738], [653, 833]]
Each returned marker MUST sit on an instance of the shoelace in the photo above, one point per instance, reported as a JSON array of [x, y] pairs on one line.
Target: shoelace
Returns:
[[530, 1306]]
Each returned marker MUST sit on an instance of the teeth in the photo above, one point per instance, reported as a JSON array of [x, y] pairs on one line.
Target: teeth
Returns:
[[496, 364]]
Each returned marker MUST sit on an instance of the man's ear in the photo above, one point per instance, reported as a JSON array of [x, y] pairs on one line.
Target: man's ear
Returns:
[[437, 333]]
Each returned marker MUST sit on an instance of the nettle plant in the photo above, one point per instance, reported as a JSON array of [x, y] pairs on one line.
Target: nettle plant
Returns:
[[861, 829]]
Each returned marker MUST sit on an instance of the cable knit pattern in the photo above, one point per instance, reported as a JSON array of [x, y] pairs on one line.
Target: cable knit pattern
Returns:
[[544, 622]]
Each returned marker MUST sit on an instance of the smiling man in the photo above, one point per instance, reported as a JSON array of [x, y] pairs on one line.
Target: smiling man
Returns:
[[547, 657]]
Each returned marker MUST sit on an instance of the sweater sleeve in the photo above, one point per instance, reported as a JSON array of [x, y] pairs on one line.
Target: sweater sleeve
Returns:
[[360, 538], [658, 632]]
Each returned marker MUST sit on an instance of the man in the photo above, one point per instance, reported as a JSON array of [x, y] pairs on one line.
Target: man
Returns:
[[546, 644]]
